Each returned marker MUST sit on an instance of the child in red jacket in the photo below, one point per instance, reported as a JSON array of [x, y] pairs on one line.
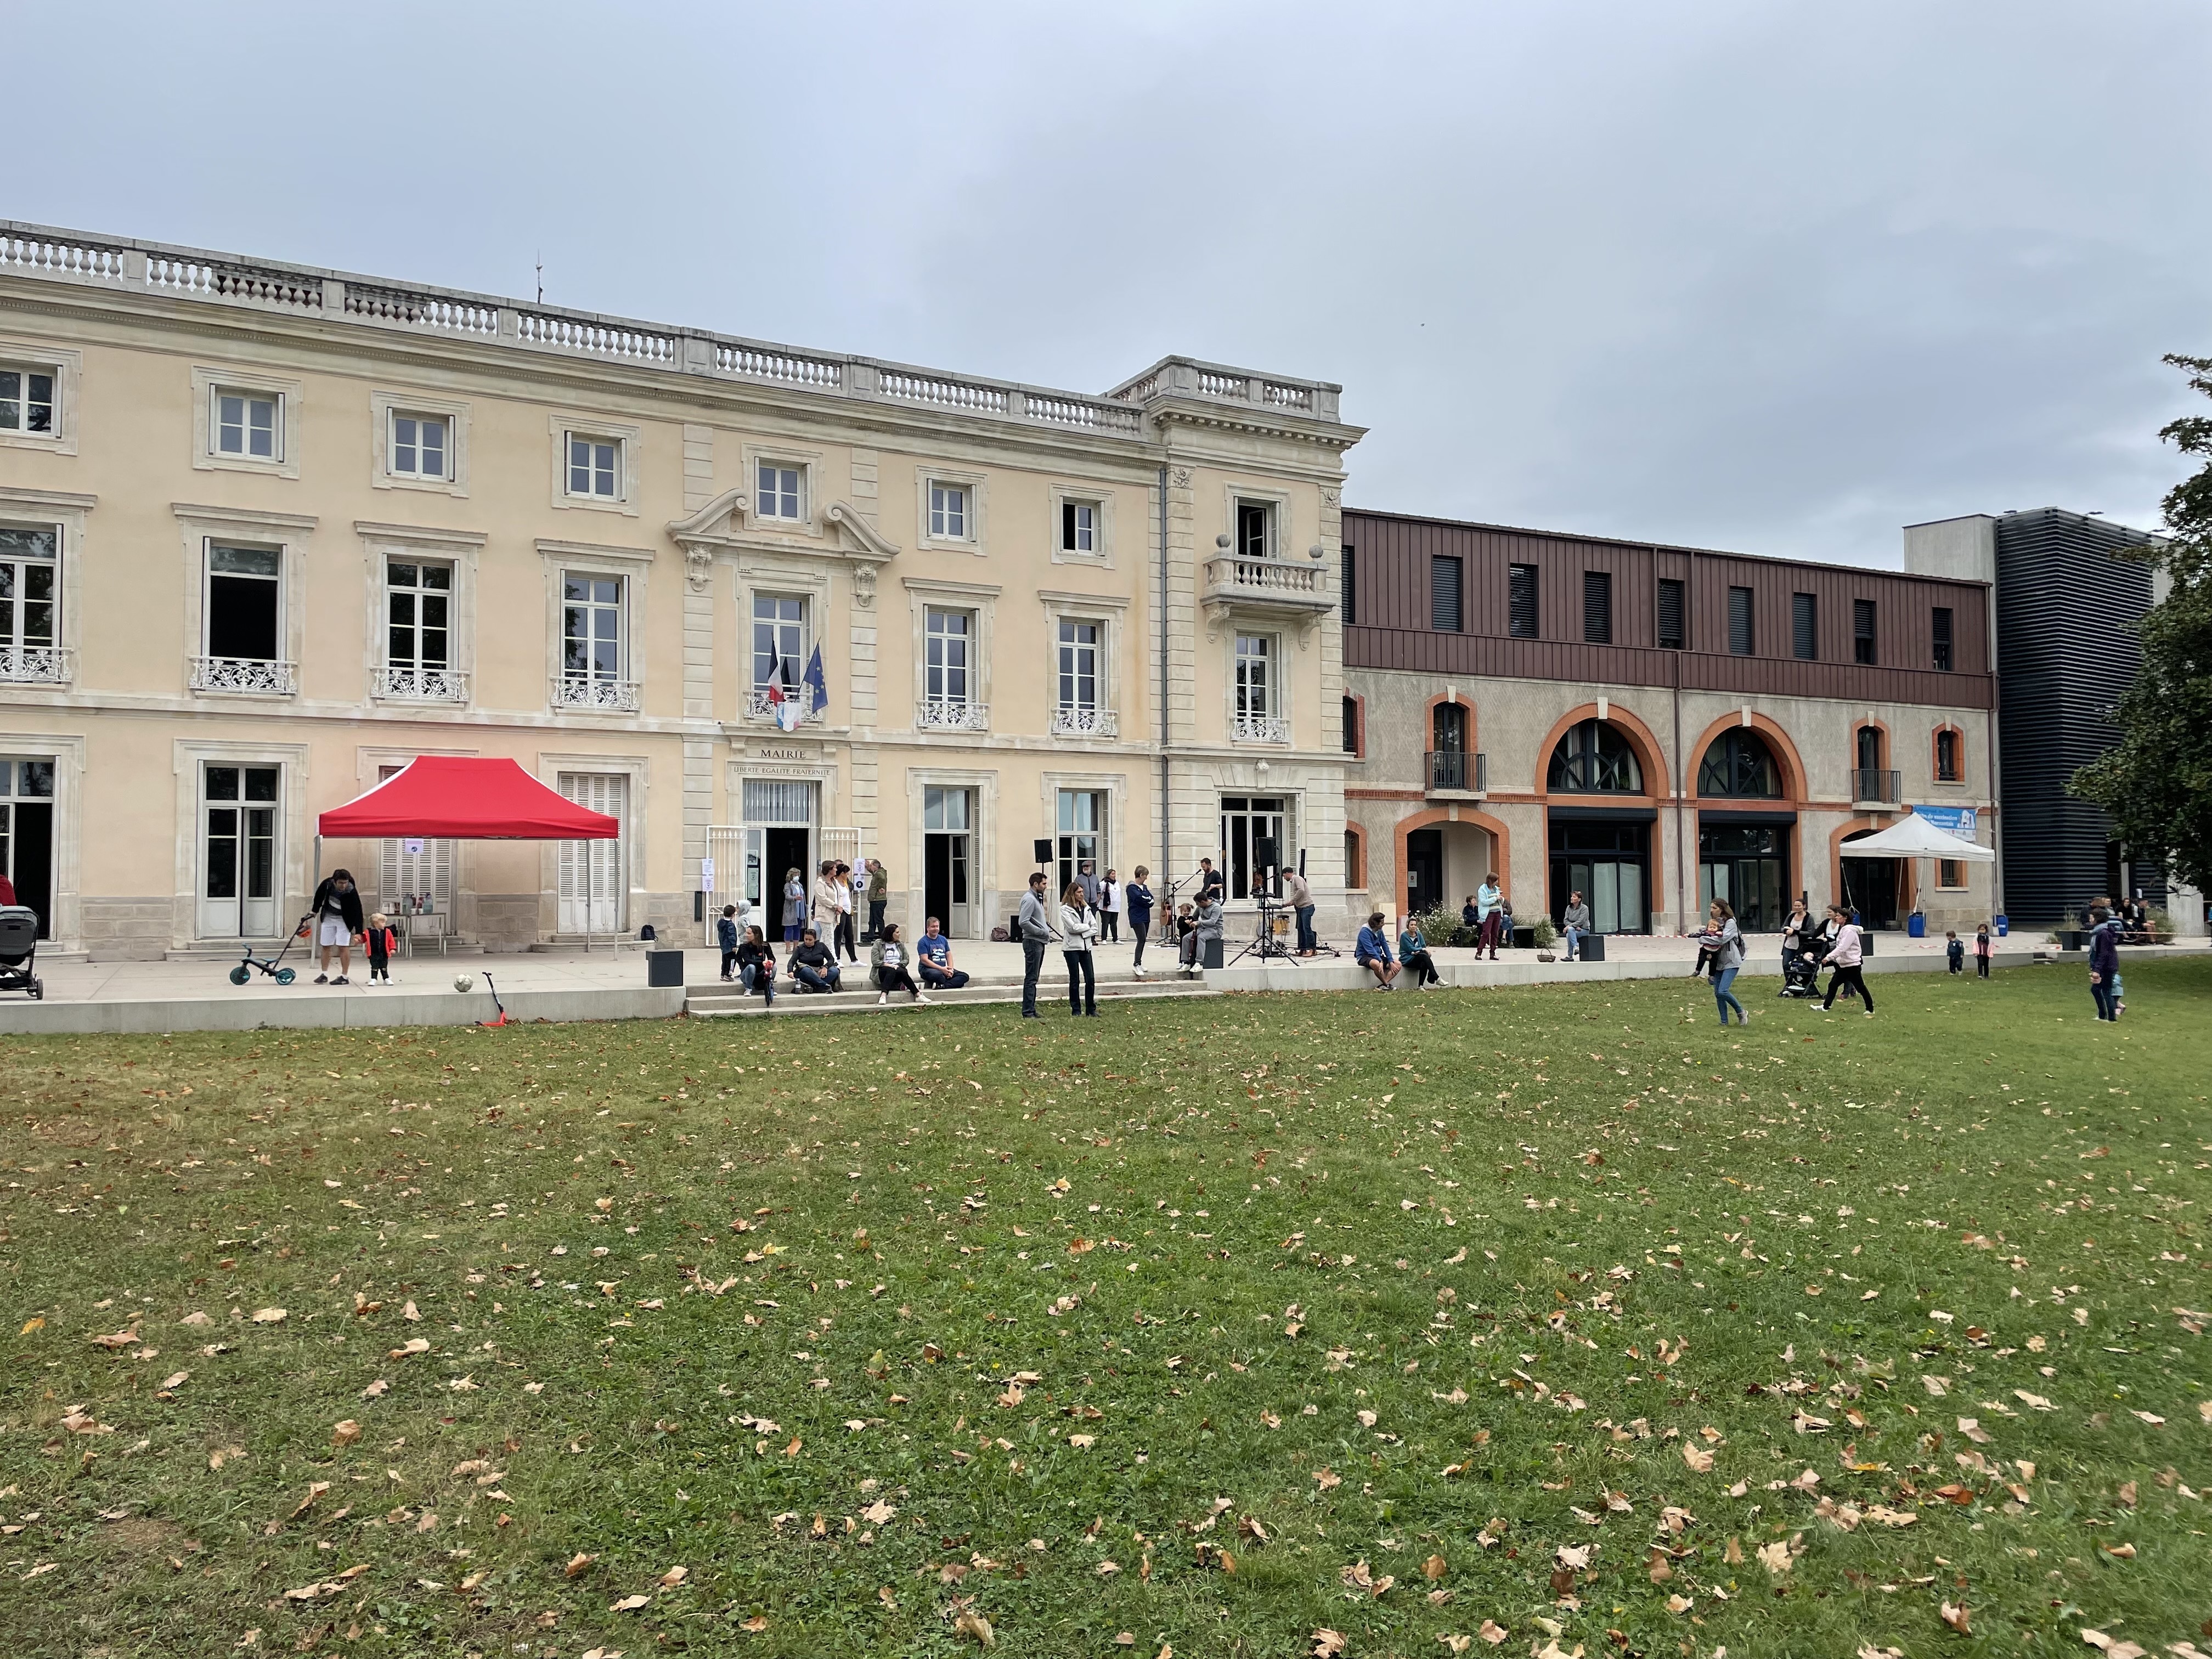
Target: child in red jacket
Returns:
[[381, 940]]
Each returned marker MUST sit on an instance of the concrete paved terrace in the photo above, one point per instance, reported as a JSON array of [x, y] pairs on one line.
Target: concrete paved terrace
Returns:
[[609, 983]]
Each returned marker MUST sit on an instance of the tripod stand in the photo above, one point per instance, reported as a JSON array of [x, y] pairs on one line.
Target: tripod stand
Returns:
[[1265, 942]]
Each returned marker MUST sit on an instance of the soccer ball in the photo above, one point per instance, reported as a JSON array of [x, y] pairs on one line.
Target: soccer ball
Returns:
[[465, 981]]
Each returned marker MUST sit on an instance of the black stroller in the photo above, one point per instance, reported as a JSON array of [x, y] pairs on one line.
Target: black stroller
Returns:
[[19, 951], [1801, 969]]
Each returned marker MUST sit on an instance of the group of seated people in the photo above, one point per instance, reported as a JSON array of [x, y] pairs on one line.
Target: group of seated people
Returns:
[[1372, 952], [748, 958]]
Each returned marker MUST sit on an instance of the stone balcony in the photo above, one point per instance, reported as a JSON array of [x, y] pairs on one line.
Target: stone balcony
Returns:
[[1289, 587]]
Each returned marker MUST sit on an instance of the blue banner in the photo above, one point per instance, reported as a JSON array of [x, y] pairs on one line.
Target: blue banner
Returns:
[[1952, 820]]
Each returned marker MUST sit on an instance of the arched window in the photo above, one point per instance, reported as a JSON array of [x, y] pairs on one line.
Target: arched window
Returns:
[[1740, 764], [1950, 756], [1594, 758]]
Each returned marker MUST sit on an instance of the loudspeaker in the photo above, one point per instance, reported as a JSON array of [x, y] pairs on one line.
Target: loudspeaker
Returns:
[[1042, 847], [1263, 854]]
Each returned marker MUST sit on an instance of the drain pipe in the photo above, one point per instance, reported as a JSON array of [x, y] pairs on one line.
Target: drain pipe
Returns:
[[1681, 766], [1166, 870]]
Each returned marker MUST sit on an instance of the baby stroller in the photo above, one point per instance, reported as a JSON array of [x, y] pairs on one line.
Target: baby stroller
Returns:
[[19, 951], [1801, 970]]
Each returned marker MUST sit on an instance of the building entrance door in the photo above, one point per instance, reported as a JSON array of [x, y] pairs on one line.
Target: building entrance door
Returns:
[[1607, 861], [1424, 870], [1747, 865], [237, 852], [27, 835], [1870, 887], [947, 826]]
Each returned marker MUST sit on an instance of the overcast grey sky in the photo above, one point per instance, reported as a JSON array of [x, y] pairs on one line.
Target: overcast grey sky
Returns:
[[1745, 274]]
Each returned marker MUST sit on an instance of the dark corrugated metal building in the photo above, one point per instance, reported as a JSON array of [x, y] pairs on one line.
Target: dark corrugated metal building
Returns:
[[2068, 601]]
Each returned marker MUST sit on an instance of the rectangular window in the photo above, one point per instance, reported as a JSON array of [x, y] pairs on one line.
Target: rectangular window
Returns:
[[30, 591], [1347, 571], [420, 447], [949, 639], [1444, 608], [779, 639], [1256, 530], [1597, 607], [1941, 624], [1947, 767], [1078, 528], [1520, 601], [948, 511], [1253, 845], [1863, 630], [1741, 640], [1950, 873], [776, 494], [594, 467], [1674, 633], [1351, 726], [418, 610], [1082, 820], [244, 602], [1805, 627], [592, 629], [246, 424], [1255, 679], [27, 399], [1078, 667]]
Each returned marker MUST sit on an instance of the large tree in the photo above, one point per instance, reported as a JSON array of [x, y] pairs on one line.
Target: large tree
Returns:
[[2157, 784]]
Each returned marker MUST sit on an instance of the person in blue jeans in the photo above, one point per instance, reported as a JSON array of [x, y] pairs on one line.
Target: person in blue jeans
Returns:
[[2104, 962], [813, 965], [1371, 951], [1725, 940], [756, 965], [1575, 924], [726, 935], [1137, 898], [933, 952]]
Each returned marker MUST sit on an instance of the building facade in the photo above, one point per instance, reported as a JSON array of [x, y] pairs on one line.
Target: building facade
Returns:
[[268, 531], [2070, 596], [1653, 727]]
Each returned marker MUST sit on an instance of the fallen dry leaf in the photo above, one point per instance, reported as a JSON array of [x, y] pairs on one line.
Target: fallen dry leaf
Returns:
[[345, 1433], [1699, 1460], [1328, 1643], [1954, 1614], [269, 1315], [1775, 1557], [578, 1567], [1492, 1632], [974, 1624], [630, 1604]]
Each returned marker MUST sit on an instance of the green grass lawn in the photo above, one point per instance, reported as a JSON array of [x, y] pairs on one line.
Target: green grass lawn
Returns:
[[1214, 1326]]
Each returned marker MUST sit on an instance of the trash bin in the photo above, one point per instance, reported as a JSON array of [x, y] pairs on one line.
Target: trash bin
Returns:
[[664, 967], [2002, 930], [1591, 947], [1916, 926]]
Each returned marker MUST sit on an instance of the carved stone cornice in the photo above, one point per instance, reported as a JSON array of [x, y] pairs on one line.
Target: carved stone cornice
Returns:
[[1255, 422], [724, 526]]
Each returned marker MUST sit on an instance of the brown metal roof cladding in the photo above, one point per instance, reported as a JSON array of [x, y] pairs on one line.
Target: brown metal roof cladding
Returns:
[[1389, 614]]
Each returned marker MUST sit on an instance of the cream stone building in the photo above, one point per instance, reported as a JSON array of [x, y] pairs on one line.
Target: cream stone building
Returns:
[[266, 532]]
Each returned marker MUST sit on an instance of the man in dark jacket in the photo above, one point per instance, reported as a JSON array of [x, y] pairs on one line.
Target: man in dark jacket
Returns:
[[1035, 924], [335, 917], [2104, 961]]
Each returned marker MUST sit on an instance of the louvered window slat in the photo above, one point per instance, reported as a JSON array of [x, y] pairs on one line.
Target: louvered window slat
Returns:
[[1805, 627], [1597, 607], [1444, 609], [1520, 601], [1740, 642]]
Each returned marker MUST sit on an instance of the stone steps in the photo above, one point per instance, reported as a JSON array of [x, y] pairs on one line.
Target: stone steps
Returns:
[[725, 1002]]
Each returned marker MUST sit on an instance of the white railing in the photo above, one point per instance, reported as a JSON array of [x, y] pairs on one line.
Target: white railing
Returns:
[[758, 707], [448, 314], [289, 290], [1085, 723], [34, 665], [420, 684], [762, 363], [1071, 411], [62, 256], [952, 717], [128, 264], [946, 393], [608, 696], [248, 674], [594, 338], [1261, 728], [1290, 579]]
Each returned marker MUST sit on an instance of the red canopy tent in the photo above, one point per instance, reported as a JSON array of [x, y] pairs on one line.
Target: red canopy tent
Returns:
[[464, 797]]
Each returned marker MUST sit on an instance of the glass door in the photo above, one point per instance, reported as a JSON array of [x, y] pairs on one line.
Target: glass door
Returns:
[[27, 834], [946, 852], [593, 873], [1252, 844], [1081, 838], [237, 894]]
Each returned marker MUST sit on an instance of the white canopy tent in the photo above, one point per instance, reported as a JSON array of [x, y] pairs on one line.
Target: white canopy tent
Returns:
[[1913, 837]]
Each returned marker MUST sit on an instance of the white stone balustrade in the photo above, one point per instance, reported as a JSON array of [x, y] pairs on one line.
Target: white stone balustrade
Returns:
[[420, 684], [1291, 586], [1068, 722], [253, 675], [34, 665], [604, 696], [1261, 728], [952, 717]]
